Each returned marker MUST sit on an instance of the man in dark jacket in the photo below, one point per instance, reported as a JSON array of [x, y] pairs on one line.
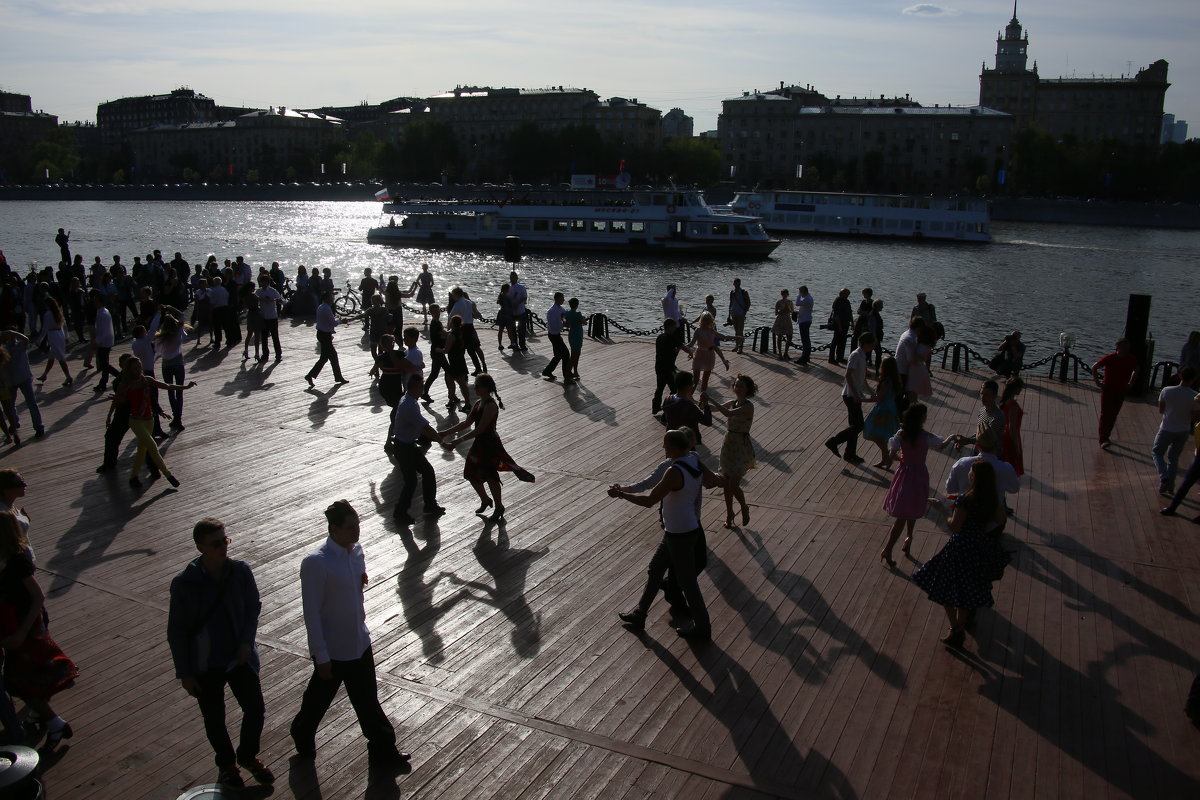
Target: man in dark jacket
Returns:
[[211, 628]]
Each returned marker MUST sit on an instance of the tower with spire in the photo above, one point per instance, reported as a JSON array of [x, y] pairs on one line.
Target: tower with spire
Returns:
[[1012, 48], [1010, 85]]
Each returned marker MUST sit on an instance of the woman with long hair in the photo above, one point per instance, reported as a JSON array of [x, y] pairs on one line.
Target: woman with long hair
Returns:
[[737, 450], [487, 457], [706, 343], [137, 389], [35, 668], [168, 340], [884, 420], [1011, 449], [54, 336], [391, 377], [959, 577], [908, 497]]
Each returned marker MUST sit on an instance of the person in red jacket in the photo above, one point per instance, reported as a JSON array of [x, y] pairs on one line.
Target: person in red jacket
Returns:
[[1119, 372]]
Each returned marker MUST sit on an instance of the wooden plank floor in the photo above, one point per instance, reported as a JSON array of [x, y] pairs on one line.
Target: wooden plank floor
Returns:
[[500, 657]]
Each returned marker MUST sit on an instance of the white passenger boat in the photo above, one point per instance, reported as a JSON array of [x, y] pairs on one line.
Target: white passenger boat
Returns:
[[659, 222], [963, 219]]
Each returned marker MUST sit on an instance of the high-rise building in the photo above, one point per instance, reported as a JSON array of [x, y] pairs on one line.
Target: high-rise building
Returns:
[[1173, 130], [1126, 109]]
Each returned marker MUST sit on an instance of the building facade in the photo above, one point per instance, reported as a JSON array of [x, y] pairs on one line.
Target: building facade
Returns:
[[483, 118], [1125, 109], [269, 142], [795, 137], [21, 128], [677, 125]]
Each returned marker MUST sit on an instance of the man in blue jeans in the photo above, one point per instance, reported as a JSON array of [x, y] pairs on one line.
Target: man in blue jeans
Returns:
[[211, 628]]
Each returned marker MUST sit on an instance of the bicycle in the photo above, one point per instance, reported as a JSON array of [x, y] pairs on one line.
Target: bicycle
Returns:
[[347, 302]]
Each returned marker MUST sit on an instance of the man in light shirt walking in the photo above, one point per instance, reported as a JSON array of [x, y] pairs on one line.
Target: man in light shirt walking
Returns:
[[332, 581]]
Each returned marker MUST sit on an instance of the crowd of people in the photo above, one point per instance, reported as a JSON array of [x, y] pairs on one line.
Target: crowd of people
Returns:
[[214, 601]]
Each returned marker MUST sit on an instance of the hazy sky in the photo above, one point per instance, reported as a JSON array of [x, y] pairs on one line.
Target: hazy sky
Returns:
[[70, 55]]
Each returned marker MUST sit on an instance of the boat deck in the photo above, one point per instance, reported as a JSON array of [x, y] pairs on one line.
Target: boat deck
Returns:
[[500, 658]]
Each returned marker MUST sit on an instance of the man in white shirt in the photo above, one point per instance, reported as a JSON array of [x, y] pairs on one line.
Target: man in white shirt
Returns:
[[1007, 480], [269, 303], [906, 348], [326, 323], [332, 581], [465, 308], [854, 391], [1176, 404], [519, 296], [554, 330], [804, 317], [670, 307], [104, 339]]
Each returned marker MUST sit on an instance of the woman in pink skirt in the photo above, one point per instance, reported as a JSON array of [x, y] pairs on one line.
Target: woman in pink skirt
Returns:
[[908, 497]]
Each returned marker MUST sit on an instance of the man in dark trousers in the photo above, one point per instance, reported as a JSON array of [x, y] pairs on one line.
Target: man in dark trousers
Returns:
[[408, 426], [63, 240], [211, 628], [841, 316], [666, 348], [332, 581], [1114, 373], [327, 322]]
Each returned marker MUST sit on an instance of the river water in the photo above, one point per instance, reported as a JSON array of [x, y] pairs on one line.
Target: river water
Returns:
[[1040, 278]]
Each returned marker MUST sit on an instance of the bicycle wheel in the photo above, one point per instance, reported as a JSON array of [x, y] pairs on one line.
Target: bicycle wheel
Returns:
[[345, 305]]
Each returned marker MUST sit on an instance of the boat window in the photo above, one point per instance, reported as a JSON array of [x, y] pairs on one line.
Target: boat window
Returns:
[[637, 227], [756, 229], [562, 225], [541, 224], [599, 226], [740, 230], [720, 229], [522, 225], [504, 225], [617, 226], [659, 200], [695, 229], [579, 225]]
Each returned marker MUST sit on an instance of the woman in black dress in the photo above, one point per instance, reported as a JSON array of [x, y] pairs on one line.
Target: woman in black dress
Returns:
[[391, 379], [487, 457], [437, 355], [455, 351], [960, 576]]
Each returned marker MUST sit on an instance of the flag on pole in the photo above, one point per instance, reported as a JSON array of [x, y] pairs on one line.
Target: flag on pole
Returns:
[[383, 194]]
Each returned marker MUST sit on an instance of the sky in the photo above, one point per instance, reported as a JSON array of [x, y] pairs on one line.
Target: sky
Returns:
[[70, 55]]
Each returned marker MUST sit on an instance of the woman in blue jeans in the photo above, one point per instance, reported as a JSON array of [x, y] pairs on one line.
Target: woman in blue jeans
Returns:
[[169, 339]]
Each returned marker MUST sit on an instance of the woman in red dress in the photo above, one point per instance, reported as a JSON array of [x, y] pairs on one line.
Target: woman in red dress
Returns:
[[487, 457]]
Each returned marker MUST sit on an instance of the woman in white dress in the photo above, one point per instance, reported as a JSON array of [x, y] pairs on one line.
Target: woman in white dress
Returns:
[[54, 336]]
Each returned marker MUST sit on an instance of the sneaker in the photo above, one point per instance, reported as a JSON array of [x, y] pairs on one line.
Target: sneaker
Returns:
[[635, 620], [231, 778], [257, 769]]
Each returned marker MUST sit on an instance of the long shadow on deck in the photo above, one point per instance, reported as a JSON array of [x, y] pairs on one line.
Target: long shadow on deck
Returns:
[[775, 764], [1078, 713], [786, 637]]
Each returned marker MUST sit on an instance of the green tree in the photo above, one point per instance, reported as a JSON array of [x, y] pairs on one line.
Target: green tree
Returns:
[[428, 149]]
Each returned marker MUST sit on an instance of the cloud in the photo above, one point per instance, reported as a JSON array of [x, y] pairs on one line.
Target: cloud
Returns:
[[929, 10]]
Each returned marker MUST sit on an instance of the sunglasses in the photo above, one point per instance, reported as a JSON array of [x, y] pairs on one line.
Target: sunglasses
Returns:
[[222, 542]]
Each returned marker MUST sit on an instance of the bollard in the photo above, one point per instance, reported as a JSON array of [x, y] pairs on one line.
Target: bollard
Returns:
[[1062, 367], [512, 249], [762, 340]]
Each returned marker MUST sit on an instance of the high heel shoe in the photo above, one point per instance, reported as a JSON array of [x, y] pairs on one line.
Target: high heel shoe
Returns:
[[907, 546], [483, 507], [53, 738], [887, 561], [729, 520], [498, 514], [954, 638]]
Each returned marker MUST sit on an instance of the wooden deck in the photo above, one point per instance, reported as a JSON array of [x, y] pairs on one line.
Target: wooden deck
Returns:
[[501, 660]]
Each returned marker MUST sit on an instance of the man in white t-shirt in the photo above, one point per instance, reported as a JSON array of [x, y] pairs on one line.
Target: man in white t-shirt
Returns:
[[269, 303], [854, 392], [1176, 404], [465, 308], [906, 348], [804, 318]]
